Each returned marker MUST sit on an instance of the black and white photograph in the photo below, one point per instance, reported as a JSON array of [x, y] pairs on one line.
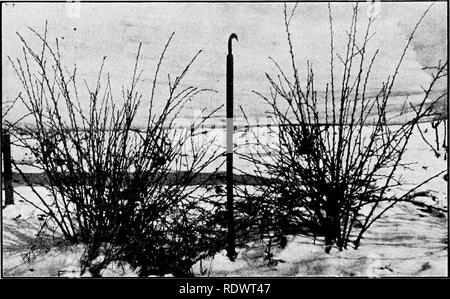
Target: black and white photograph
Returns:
[[224, 140]]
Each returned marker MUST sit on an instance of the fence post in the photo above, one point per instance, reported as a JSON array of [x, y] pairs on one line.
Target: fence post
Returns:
[[435, 125], [7, 169], [231, 252]]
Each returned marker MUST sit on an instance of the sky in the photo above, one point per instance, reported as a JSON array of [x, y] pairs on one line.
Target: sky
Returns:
[[89, 31]]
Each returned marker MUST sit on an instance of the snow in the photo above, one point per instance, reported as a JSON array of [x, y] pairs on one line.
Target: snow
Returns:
[[409, 240], [406, 242]]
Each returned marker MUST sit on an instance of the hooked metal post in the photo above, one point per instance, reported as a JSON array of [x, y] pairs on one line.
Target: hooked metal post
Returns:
[[231, 252]]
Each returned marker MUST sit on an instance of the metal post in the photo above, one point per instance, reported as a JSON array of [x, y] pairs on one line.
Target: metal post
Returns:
[[231, 252], [7, 169]]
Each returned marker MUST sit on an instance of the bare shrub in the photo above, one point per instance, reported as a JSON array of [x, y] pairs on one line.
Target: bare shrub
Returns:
[[129, 194], [336, 157]]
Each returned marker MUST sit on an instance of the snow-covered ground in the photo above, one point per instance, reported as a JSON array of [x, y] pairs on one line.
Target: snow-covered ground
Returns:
[[405, 242], [409, 240]]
